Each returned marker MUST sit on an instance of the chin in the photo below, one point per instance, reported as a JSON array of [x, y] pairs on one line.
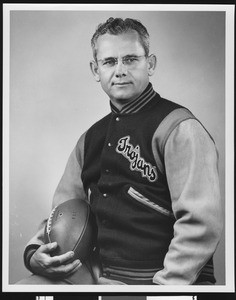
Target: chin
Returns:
[[123, 97]]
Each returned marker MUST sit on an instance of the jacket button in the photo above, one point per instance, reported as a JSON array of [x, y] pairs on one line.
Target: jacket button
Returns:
[[105, 195], [104, 222], [109, 145], [117, 119]]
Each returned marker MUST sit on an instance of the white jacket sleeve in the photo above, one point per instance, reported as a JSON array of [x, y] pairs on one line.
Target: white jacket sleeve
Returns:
[[191, 166], [69, 187]]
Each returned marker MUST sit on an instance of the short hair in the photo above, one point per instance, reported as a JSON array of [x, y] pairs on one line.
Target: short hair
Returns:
[[118, 26]]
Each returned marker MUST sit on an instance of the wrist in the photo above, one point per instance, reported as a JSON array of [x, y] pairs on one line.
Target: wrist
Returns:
[[28, 253]]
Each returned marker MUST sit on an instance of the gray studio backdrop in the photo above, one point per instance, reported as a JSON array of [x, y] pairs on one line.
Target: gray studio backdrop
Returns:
[[54, 99]]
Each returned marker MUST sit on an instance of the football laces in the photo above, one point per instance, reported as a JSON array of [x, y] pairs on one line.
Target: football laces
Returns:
[[49, 222]]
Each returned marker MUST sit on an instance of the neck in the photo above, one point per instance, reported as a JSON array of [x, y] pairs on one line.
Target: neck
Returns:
[[134, 105], [120, 103]]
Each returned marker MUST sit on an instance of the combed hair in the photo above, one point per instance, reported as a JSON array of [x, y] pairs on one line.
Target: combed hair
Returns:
[[118, 26]]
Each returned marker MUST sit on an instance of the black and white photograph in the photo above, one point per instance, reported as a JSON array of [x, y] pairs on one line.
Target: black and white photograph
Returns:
[[118, 148]]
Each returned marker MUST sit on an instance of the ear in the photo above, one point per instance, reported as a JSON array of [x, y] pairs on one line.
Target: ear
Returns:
[[152, 60], [94, 69]]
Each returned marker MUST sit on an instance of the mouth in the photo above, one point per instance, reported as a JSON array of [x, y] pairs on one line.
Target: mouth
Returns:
[[121, 83]]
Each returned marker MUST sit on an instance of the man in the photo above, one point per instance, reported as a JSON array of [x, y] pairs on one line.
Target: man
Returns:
[[149, 171]]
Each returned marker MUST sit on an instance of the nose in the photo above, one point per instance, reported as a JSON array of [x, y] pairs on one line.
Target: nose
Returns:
[[121, 69]]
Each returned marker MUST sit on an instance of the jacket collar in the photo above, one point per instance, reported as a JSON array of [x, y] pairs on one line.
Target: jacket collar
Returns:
[[137, 104]]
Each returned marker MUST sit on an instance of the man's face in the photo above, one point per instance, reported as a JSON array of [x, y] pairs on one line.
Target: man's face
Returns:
[[122, 81]]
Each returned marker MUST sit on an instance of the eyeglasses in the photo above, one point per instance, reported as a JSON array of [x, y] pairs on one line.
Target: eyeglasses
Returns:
[[130, 61]]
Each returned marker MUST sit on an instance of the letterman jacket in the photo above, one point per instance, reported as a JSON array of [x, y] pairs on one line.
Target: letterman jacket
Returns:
[[150, 173]]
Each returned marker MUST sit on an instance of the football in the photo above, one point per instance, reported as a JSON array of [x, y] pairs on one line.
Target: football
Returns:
[[72, 225]]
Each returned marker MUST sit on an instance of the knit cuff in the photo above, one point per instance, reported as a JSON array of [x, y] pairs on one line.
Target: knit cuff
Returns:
[[28, 253]]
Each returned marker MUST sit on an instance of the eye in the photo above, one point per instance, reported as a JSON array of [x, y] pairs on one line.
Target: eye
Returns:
[[109, 62], [130, 60]]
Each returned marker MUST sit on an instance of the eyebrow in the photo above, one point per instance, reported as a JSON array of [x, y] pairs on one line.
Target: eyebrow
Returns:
[[112, 57], [132, 55], [107, 58]]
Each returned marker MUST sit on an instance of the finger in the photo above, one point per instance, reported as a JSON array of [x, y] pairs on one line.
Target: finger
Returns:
[[66, 269], [75, 267], [47, 248], [61, 259]]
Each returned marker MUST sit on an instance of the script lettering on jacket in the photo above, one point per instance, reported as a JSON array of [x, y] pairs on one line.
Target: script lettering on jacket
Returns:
[[137, 163]]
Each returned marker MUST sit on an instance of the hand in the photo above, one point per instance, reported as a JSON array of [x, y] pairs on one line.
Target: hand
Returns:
[[53, 267], [103, 280]]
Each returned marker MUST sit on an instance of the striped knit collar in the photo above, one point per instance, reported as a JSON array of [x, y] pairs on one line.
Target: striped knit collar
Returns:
[[137, 104]]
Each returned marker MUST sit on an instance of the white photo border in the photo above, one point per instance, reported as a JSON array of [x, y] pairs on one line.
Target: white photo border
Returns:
[[229, 135]]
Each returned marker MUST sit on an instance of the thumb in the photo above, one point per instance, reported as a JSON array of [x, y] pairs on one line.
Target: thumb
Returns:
[[47, 248]]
